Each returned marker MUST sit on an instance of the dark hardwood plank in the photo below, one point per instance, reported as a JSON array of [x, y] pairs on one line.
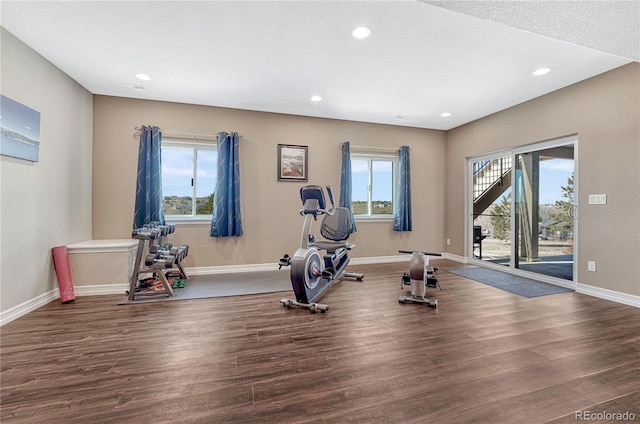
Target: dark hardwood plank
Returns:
[[625, 408], [483, 355]]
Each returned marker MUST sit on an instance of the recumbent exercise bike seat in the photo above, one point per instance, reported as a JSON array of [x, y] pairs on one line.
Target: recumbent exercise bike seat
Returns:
[[336, 229], [336, 224]]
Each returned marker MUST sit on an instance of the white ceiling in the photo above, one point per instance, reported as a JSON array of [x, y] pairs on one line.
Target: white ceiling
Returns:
[[469, 58]]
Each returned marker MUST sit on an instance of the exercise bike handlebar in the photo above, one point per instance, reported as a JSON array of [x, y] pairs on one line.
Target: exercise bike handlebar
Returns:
[[420, 251], [330, 193], [330, 211]]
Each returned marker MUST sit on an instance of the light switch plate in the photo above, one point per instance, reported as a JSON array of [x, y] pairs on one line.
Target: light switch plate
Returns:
[[597, 199]]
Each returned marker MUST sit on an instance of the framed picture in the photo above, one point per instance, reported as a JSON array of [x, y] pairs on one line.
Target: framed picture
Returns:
[[19, 130], [292, 163]]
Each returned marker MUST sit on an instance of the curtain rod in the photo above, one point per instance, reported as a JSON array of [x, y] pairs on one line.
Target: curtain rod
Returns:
[[182, 135], [370, 148]]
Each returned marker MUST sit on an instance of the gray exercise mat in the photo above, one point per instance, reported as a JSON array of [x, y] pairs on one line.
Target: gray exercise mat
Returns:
[[221, 285]]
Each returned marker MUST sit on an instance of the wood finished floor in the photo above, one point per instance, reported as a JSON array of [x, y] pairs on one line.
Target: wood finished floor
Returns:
[[484, 356]]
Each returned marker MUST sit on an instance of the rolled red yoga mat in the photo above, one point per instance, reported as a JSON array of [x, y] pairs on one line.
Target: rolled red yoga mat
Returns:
[[63, 271]]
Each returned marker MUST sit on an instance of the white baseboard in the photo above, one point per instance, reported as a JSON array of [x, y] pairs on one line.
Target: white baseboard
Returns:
[[99, 289], [380, 259], [28, 306], [41, 300], [614, 296], [451, 256]]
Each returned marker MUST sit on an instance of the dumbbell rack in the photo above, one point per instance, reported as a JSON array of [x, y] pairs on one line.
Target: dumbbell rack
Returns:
[[160, 257]]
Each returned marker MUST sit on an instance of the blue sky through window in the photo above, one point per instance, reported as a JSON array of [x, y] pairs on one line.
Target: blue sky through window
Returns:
[[382, 180], [554, 173], [207, 172], [177, 171]]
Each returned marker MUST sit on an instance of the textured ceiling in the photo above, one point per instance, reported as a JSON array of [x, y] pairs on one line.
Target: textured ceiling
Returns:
[[471, 59], [608, 26]]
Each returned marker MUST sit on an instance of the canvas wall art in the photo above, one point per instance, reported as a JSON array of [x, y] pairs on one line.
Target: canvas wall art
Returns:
[[20, 130]]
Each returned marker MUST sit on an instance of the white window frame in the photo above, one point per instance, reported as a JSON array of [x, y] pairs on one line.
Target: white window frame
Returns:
[[371, 157], [195, 146]]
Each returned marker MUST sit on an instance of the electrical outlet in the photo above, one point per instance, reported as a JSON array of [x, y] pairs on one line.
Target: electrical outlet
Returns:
[[591, 266], [448, 242]]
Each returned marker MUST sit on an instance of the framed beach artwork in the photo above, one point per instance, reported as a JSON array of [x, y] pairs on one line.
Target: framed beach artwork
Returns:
[[20, 130], [292, 162]]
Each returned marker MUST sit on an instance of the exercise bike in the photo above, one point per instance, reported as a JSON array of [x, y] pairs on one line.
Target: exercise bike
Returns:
[[420, 276], [311, 273]]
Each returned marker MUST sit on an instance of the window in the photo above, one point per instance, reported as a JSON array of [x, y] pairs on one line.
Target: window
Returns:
[[189, 172], [373, 185]]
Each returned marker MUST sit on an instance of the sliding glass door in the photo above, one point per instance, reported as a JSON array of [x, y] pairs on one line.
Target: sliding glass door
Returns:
[[523, 210], [491, 187], [545, 211]]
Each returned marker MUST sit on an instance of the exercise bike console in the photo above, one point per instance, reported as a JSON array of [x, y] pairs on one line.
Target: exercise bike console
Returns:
[[312, 273]]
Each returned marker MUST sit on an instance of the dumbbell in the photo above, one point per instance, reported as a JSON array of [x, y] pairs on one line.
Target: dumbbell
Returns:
[[145, 234], [166, 260], [179, 253], [159, 261], [150, 259], [165, 249]]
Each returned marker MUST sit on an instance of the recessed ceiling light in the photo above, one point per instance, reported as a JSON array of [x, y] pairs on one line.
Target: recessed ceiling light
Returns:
[[445, 114], [541, 71], [361, 32], [143, 77], [316, 98]]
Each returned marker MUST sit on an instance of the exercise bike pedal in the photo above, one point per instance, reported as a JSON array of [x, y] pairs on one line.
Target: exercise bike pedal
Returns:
[[328, 273], [284, 261], [432, 282]]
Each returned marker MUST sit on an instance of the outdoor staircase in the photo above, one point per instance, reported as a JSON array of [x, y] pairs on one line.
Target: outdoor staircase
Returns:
[[490, 179]]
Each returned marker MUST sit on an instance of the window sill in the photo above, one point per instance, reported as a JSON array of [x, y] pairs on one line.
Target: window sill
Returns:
[[189, 220], [380, 218]]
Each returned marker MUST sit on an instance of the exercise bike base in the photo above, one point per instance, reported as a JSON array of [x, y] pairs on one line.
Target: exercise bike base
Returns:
[[355, 275], [411, 299], [313, 307]]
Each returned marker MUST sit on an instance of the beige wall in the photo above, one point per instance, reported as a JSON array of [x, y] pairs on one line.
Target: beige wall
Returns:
[[270, 208], [605, 113], [45, 203]]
